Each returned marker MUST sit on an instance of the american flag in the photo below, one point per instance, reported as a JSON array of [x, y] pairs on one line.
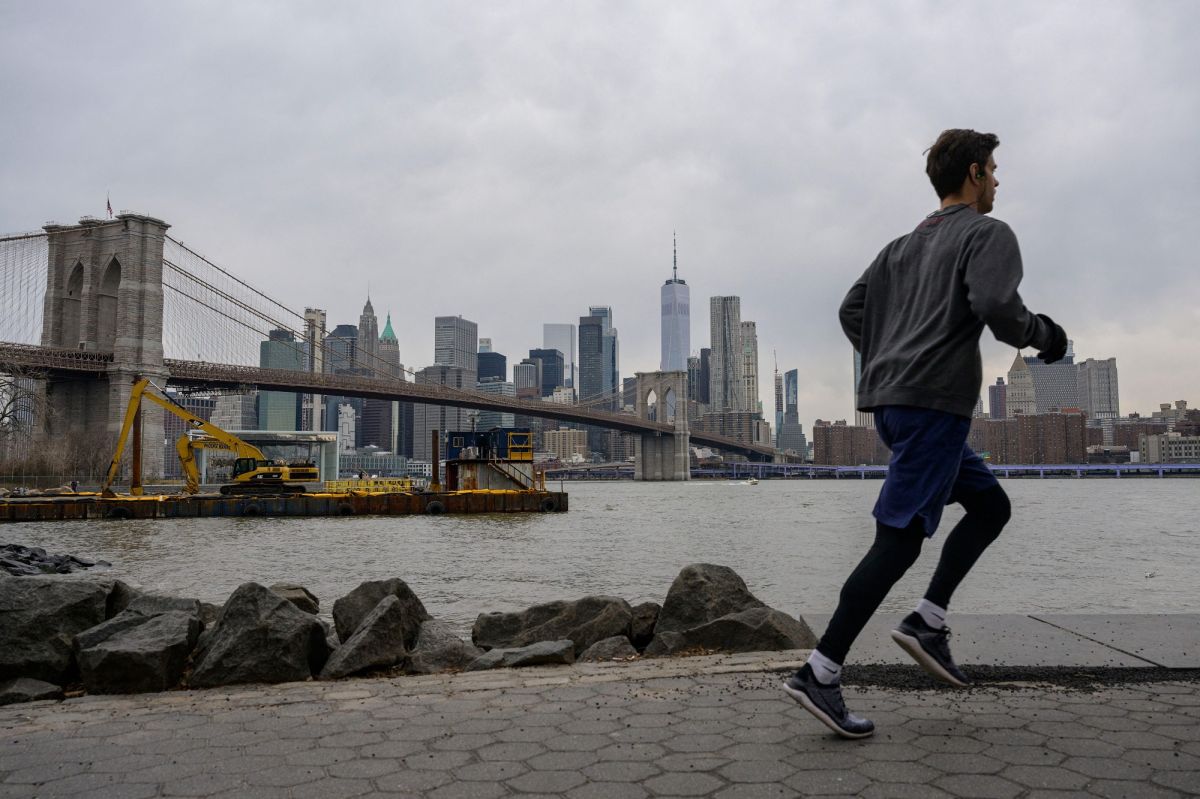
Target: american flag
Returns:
[[108, 202]]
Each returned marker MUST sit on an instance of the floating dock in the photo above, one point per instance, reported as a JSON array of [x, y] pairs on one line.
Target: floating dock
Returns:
[[182, 506]]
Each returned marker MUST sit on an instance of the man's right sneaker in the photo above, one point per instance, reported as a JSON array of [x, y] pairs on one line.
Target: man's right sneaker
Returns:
[[930, 648], [825, 702]]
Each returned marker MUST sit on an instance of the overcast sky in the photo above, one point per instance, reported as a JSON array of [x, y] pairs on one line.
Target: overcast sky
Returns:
[[517, 162]]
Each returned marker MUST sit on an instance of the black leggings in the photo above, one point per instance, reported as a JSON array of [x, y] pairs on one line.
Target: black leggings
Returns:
[[896, 549]]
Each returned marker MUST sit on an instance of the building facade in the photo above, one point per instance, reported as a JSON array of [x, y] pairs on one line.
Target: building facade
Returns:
[[552, 367], [561, 337], [727, 362], [565, 444], [456, 343], [840, 444], [427, 418], [750, 367], [280, 410], [998, 400]]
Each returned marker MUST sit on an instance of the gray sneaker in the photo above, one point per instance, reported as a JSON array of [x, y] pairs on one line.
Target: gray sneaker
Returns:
[[825, 702], [930, 648]]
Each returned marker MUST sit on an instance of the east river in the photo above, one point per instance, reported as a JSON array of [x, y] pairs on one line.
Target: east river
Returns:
[[1073, 546]]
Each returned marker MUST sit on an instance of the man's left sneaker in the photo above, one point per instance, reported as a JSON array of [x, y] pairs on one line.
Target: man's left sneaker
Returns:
[[930, 648]]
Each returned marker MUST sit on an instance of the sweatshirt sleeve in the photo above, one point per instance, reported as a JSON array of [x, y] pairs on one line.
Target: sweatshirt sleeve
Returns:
[[992, 273], [851, 312]]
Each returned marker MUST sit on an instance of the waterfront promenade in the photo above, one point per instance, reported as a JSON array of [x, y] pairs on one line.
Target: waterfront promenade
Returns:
[[1068, 706]]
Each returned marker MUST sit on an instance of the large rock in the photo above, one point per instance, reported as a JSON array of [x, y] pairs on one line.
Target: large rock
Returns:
[[615, 648], [755, 630], [154, 604], [439, 649], [148, 656], [377, 643], [584, 621], [39, 617], [702, 593], [350, 610], [540, 654], [299, 596], [24, 689], [260, 637], [641, 630]]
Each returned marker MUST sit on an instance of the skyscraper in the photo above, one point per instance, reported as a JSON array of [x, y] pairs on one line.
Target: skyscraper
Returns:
[[561, 337], [311, 405], [997, 400], [341, 358], [280, 410], [676, 321], [750, 367], [368, 340], [552, 369], [443, 418], [791, 395], [702, 389], [778, 403], [598, 354], [1097, 386], [456, 343], [1036, 387], [492, 366], [727, 385], [791, 432]]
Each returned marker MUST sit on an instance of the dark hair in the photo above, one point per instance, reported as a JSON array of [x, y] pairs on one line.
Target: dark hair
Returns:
[[952, 155]]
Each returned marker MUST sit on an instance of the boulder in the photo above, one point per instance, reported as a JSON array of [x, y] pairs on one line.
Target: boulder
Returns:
[[645, 616], [702, 593], [439, 649], [39, 617], [350, 610], [616, 648], [260, 637], [120, 596], [209, 613], [154, 604], [24, 689], [299, 596], [149, 656], [758, 629], [125, 620], [584, 621], [377, 643], [540, 654]]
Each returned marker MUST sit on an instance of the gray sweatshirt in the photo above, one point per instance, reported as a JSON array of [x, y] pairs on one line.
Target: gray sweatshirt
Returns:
[[917, 313]]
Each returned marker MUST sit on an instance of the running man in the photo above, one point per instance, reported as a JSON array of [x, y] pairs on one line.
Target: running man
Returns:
[[916, 316]]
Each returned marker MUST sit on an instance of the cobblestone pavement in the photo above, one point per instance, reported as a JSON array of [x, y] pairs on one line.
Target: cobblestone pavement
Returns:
[[716, 727]]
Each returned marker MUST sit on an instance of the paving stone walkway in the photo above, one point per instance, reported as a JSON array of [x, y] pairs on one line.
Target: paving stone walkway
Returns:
[[713, 727]]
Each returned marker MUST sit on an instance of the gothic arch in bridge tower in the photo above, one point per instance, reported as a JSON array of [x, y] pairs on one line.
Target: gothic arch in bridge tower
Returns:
[[106, 306], [72, 309], [663, 455]]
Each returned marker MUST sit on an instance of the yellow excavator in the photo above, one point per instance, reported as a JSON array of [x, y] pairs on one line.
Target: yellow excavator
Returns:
[[252, 472]]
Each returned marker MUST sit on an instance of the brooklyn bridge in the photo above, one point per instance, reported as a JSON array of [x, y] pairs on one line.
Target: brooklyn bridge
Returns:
[[92, 307]]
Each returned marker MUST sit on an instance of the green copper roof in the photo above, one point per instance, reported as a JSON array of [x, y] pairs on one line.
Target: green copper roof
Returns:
[[387, 334]]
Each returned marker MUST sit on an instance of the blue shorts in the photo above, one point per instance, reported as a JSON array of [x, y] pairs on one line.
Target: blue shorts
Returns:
[[931, 465]]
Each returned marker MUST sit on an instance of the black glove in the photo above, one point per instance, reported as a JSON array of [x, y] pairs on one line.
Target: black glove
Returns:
[[1057, 348]]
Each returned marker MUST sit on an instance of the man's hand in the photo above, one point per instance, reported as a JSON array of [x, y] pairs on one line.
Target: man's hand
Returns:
[[1057, 348]]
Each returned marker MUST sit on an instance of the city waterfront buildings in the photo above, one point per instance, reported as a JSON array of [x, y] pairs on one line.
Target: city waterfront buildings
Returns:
[[566, 444], [486, 420], [840, 444], [443, 418], [492, 366], [311, 405], [552, 366]]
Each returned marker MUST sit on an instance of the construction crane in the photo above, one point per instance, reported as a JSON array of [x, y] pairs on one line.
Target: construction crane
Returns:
[[252, 472]]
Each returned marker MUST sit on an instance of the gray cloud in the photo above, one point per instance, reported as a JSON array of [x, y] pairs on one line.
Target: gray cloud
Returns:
[[517, 162]]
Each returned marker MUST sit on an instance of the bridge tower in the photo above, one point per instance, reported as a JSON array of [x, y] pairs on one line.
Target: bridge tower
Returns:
[[104, 293], [663, 456]]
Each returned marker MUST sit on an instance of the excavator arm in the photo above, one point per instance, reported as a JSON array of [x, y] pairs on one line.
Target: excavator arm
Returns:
[[240, 448]]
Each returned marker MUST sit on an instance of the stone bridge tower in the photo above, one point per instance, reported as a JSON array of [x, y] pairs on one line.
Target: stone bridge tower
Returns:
[[104, 293], [663, 456]]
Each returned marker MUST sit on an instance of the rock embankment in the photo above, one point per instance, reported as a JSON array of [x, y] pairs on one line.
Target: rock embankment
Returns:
[[22, 561], [110, 638]]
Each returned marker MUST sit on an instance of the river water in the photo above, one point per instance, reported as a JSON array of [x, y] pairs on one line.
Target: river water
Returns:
[[1073, 546]]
